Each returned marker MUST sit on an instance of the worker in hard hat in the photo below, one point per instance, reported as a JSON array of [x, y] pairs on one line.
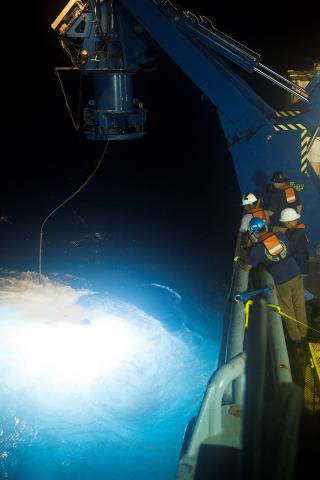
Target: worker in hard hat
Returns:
[[282, 196], [298, 241], [251, 210], [273, 251]]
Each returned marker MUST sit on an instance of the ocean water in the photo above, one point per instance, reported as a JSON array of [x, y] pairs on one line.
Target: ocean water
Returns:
[[98, 383]]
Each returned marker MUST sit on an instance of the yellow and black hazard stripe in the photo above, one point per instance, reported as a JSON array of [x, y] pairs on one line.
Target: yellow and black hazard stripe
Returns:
[[289, 126], [303, 142], [304, 151], [288, 113]]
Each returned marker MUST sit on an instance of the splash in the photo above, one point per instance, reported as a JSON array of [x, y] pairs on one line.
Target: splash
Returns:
[[23, 298]]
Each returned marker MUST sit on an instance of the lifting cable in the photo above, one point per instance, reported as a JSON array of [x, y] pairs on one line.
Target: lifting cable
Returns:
[[75, 124], [64, 203]]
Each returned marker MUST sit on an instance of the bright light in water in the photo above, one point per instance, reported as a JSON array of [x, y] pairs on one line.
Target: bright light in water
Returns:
[[95, 374], [75, 355], [51, 338]]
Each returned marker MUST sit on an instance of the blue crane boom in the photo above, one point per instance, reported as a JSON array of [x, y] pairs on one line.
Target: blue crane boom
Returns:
[[108, 41]]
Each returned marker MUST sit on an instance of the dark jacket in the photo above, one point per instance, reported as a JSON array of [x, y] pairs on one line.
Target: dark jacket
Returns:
[[282, 267], [298, 243], [277, 201]]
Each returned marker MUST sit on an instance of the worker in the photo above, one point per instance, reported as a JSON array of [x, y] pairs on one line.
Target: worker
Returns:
[[282, 196], [251, 209], [273, 251], [298, 241]]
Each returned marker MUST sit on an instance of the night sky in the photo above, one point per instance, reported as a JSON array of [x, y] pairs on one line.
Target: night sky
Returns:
[[167, 206]]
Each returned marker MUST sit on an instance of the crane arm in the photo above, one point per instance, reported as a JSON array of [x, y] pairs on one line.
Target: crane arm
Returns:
[[241, 111]]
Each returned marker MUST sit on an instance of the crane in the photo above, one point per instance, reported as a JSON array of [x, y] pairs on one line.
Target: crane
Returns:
[[108, 41]]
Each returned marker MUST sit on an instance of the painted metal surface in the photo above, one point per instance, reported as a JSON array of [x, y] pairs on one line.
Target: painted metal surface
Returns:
[[257, 145], [260, 139], [269, 150], [242, 109]]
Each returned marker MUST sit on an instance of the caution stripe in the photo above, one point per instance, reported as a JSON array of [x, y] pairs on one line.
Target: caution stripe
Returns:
[[304, 148], [303, 143], [288, 113], [289, 126]]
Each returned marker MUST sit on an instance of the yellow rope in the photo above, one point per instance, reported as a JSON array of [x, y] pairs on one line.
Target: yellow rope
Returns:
[[278, 310], [246, 309], [283, 314]]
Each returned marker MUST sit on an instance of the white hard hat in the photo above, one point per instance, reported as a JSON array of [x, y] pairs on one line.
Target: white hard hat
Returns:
[[289, 214], [248, 198]]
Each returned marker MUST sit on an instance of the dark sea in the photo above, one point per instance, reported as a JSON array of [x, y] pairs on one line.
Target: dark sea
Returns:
[[105, 362]]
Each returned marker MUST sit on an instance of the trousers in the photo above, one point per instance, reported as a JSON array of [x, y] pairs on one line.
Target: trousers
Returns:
[[291, 301]]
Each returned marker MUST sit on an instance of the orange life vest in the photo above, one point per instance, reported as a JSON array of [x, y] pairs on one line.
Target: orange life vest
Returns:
[[272, 243], [289, 193], [258, 213]]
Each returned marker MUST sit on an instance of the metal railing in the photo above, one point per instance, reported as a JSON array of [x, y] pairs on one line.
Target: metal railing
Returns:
[[278, 352], [209, 421], [267, 366]]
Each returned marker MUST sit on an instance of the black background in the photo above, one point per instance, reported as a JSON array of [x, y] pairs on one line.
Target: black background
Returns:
[[168, 205]]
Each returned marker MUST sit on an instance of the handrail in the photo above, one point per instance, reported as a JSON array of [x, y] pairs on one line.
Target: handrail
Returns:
[[234, 325], [234, 343], [237, 330], [254, 408], [227, 307], [209, 420], [278, 348], [266, 349]]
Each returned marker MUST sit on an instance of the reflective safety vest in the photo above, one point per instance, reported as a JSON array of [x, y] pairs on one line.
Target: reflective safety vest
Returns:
[[289, 193], [272, 243], [258, 213]]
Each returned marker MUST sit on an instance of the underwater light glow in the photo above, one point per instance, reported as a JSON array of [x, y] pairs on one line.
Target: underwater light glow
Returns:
[[64, 341], [73, 355], [94, 387]]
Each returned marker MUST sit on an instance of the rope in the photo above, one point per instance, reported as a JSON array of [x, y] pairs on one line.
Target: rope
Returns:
[[283, 314], [246, 309], [61, 205], [248, 304]]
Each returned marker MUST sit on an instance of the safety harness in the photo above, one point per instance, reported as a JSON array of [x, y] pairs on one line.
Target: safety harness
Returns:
[[289, 193], [272, 243]]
